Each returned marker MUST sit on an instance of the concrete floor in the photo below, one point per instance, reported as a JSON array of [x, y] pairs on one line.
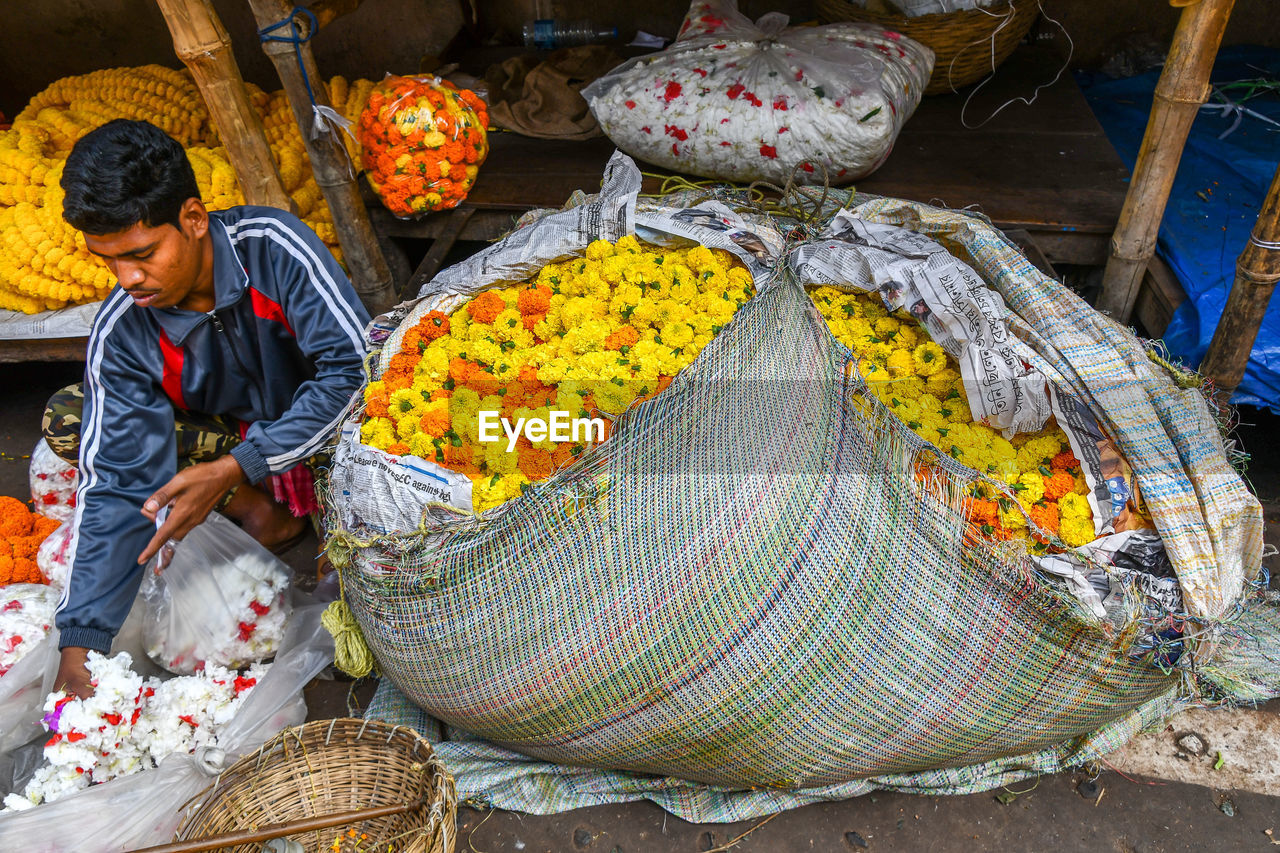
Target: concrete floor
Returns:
[[1068, 812]]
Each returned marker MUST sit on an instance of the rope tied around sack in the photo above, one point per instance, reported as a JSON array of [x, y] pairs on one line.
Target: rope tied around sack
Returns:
[[351, 652]]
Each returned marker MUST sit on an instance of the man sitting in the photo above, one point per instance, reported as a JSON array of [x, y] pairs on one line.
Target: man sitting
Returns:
[[221, 362]]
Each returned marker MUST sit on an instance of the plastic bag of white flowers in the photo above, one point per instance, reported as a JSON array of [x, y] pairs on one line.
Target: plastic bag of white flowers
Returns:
[[144, 808], [219, 598], [743, 101]]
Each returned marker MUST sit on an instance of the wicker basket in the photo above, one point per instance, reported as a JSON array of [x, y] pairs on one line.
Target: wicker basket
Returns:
[[322, 770], [963, 41]]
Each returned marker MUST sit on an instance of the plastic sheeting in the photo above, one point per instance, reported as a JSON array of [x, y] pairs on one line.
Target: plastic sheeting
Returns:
[[1214, 203]]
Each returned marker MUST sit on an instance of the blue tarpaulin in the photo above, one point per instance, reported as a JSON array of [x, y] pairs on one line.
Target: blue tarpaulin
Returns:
[[1215, 199]]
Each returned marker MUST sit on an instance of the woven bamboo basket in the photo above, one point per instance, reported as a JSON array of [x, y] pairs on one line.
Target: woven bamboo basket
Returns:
[[380, 788], [968, 43]]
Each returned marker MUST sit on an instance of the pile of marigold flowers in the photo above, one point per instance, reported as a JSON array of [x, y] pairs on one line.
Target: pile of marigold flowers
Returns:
[[21, 532], [921, 384], [587, 336], [423, 141]]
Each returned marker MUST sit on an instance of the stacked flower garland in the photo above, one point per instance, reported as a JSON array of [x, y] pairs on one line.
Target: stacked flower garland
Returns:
[[423, 141], [129, 725], [21, 532], [44, 263], [921, 384], [586, 336]]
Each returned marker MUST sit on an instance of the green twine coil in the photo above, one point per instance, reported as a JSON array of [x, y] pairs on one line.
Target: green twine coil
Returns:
[[350, 651]]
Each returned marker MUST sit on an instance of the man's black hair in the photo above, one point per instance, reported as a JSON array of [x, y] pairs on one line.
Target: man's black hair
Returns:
[[125, 173]]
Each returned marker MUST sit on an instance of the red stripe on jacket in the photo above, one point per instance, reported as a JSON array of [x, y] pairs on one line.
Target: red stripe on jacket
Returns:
[[268, 309], [171, 379]]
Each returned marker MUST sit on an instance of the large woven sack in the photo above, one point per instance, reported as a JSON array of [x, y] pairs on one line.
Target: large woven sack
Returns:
[[747, 585]]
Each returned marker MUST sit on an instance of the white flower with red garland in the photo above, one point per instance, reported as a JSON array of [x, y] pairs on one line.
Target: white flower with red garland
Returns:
[[129, 725], [26, 613]]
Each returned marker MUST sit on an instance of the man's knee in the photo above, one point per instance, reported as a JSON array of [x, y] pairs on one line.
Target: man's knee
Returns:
[[61, 425]]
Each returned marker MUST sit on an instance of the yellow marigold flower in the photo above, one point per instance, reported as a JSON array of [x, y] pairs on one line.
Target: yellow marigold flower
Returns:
[[403, 401], [898, 363], [1072, 505], [1012, 518], [677, 335], [1032, 487], [1076, 531], [928, 358]]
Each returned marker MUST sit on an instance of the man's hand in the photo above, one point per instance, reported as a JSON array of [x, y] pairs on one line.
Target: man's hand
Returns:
[[73, 675], [193, 493]]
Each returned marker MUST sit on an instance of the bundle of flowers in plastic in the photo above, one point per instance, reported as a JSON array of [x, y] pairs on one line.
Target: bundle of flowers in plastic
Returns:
[[53, 483], [26, 613], [220, 601], [129, 725]]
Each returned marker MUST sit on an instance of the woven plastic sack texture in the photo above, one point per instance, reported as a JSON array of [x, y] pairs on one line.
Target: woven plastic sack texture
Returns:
[[745, 586]]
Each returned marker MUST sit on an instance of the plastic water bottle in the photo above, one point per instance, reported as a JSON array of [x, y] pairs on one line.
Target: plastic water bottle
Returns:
[[549, 34]]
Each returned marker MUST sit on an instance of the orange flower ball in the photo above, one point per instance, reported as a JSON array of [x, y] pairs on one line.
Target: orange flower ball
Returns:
[[423, 141]]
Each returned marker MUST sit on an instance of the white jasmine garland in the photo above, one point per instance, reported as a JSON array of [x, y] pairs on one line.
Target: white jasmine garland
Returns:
[[129, 725], [26, 614]]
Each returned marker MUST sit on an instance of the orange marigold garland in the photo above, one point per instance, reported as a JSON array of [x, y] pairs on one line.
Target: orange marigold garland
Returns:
[[423, 140], [21, 532]]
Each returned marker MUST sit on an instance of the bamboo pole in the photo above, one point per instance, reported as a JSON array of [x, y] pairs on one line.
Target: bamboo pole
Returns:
[[329, 160], [1257, 271], [203, 45], [1182, 90]]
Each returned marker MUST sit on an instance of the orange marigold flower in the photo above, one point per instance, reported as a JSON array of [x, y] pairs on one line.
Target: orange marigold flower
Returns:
[[15, 518], [536, 464], [376, 403], [1066, 459], [982, 512], [1045, 516], [535, 299], [435, 423], [460, 370], [483, 382], [563, 454], [485, 307], [411, 343], [1058, 484], [434, 325], [398, 449], [625, 336]]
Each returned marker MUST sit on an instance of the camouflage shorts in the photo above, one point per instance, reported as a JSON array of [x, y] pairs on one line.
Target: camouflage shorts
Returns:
[[201, 438]]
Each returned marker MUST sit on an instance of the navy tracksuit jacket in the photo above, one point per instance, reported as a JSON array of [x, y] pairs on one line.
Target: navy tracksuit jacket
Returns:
[[282, 351]]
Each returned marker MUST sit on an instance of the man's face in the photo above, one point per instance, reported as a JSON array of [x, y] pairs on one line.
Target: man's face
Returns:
[[159, 266]]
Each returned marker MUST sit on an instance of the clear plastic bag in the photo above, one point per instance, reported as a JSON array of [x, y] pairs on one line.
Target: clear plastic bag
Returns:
[[220, 598], [742, 101], [423, 140], [144, 809], [53, 483]]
